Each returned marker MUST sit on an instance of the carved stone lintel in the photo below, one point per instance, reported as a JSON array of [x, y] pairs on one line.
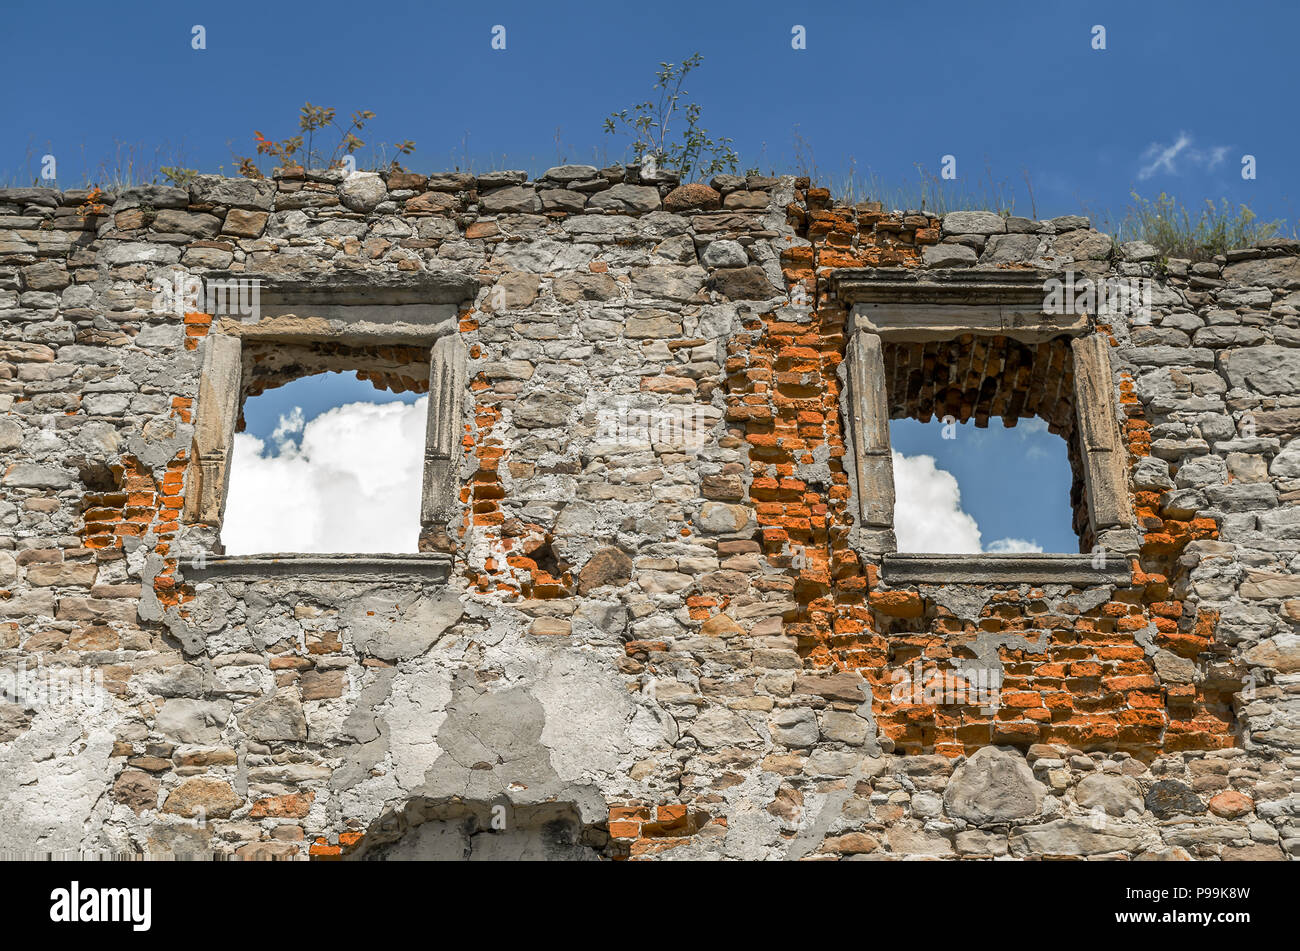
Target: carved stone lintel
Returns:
[[1004, 569], [920, 305], [343, 567]]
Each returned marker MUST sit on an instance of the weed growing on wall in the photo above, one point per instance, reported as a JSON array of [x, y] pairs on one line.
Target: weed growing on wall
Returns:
[[651, 125], [1177, 232], [301, 151]]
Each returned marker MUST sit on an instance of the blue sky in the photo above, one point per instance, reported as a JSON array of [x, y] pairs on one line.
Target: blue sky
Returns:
[[1011, 483], [1011, 84], [312, 396]]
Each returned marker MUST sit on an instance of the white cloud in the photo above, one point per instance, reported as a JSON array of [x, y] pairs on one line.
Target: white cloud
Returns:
[[927, 509], [289, 425], [1165, 158], [928, 516], [352, 485], [1029, 428], [1012, 546]]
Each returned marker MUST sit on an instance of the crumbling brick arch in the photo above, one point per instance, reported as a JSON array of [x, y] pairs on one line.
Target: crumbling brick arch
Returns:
[[455, 829]]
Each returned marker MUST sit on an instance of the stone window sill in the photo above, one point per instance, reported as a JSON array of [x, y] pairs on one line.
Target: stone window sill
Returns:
[[912, 568], [343, 567]]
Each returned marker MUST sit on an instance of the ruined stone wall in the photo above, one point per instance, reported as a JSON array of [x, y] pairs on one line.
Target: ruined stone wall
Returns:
[[626, 643]]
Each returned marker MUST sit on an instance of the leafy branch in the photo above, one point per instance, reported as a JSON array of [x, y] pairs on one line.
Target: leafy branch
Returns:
[[300, 150], [92, 205], [650, 126]]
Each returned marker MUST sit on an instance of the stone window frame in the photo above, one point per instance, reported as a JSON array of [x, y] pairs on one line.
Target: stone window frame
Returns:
[[920, 306], [368, 310]]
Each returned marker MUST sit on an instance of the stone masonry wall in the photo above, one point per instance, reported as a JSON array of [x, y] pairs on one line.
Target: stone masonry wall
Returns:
[[642, 648]]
